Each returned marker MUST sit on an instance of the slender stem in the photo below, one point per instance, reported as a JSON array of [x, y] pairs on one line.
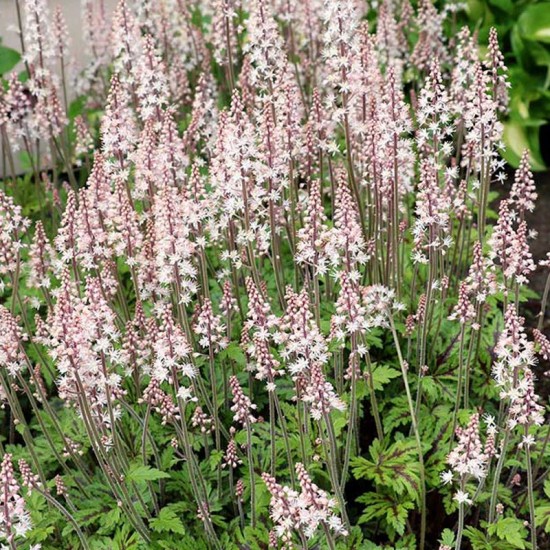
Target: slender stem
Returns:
[[496, 478], [530, 493], [404, 369], [353, 410], [251, 473], [331, 454], [460, 521], [286, 438], [272, 434], [459, 383], [374, 401], [66, 513]]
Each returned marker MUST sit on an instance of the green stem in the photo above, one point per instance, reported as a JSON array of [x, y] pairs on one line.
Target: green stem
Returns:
[[353, 412], [459, 383], [496, 478], [530, 493], [416, 434], [66, 513], [460, 524], [331, 456], [251, 473]]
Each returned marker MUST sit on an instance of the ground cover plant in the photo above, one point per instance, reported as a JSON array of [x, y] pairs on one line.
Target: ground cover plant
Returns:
[[261, 284]]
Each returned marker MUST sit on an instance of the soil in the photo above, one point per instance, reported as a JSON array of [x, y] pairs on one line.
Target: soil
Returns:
[[539, 220]]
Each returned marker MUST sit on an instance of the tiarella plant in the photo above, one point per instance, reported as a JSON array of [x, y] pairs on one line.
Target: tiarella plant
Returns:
[[257, 290]]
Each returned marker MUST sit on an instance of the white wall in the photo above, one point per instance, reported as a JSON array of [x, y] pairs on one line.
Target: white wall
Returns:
[[71, 11]]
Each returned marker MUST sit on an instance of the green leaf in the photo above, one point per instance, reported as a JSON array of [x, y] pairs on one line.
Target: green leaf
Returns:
[[534, 22], [8, 59], [397, 515], [448, 538], [77, 107], [477, 538], [382, 375], [140, 472], [477, 10], [373, 339], [386, 507], [255, 538], [395, 467], [396, 413], [215, 459], [110, 519], [93, 511], [430, 387], [340, 421], [126, 539], [517, 140], [25, 161], [511, 530], [21, 428], [506, 6], [542, 517], [167, 520], [234, 352]]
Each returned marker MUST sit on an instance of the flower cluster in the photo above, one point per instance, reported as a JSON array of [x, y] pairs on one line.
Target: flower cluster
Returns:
[[303, 511], [14, 521], [468, 458]]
